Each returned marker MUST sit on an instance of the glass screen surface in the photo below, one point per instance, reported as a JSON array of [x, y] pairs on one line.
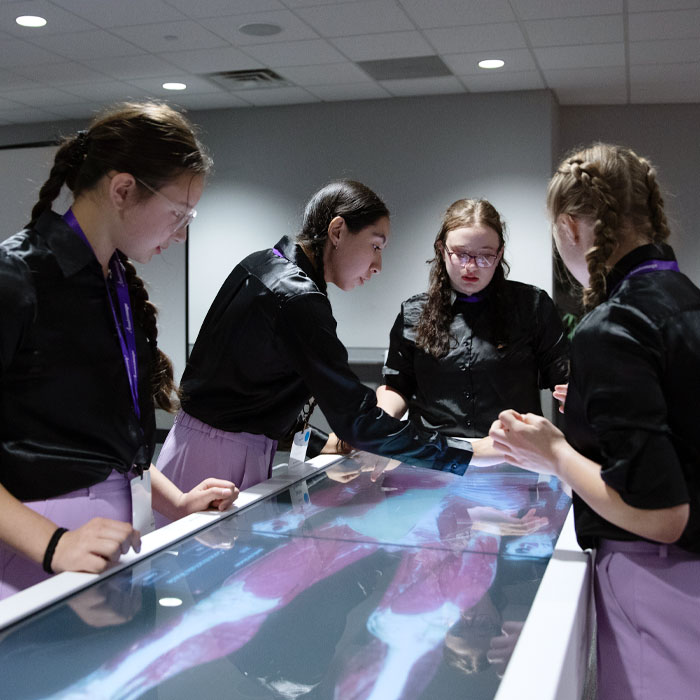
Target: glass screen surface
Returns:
[[414, 586]]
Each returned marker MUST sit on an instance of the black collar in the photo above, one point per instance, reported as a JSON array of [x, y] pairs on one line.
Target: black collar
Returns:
[[295, 254], [651, 251]]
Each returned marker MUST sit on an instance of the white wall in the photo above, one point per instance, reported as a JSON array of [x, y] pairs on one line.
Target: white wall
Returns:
[[669, 135], [419, 154]]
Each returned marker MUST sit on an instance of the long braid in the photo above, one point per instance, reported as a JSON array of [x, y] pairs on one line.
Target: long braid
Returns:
[[162, 379], [63, 172], [605, 209], [657, 215]]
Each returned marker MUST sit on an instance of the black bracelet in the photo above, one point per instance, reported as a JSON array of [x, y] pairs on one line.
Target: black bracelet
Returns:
[[51, 548]]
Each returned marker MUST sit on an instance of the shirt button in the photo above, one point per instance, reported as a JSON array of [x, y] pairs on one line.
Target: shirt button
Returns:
[[469, 423], [467, 395]]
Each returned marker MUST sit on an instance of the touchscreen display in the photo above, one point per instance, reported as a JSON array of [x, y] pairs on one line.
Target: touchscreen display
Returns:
[[413, 586]]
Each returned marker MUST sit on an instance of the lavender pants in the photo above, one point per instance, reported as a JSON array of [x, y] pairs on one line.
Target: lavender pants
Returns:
[[648, 612], [194, 451], [108, 499]]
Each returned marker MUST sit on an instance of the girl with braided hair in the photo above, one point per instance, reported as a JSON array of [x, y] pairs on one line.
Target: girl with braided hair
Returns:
[[475, 343], [268, 344], [630, 451], [80, 369]]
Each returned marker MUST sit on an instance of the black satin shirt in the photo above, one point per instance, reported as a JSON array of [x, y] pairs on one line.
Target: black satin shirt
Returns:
[[462, 393], [269, 343], [66, 413], [634, 395]]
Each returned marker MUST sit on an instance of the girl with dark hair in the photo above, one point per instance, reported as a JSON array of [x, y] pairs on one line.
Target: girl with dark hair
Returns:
[[80, 369], [268, 345], [630, 451], [475, 343]]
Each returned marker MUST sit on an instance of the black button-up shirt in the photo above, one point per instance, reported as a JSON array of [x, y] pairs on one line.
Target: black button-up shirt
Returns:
[[66, 414], [269, 343], [632, 403], [462, 393]]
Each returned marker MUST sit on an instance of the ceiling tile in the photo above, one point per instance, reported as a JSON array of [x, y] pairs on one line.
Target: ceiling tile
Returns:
[[485, 37], [651, 5], [81, 110], [12, 79], [41, 97], [62, 73], [94, 44], [296, 53], [356, 91], [277, 96], [668, 73], [542, 9], [23, 115], [372, 47], [112, 90], [293, 29], [121, 13], [327, 74], [124, 67], [450, 13], [170, 36], [605, 29], [222, 8], [663, 91], [525, 80], [664, 25], [211, 60], [423, 86], [212, 100], [671, 51], [347, 19], [590, 56], [516, 60], [16, 52]]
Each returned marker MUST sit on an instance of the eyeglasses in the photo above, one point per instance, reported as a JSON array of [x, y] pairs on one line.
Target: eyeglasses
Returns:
[[183, 218], [481, 260]]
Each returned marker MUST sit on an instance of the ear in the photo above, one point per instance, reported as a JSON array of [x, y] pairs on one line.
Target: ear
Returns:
[[122, 187], [335, 229], [570, 226]]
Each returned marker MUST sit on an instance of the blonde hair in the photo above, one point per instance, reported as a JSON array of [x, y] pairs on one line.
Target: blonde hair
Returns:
[[618, 191]]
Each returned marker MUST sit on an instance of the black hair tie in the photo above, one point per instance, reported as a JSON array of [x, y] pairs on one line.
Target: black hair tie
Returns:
[[51, 548]]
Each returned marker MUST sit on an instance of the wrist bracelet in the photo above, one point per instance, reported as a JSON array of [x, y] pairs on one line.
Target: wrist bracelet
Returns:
[[51, 548]]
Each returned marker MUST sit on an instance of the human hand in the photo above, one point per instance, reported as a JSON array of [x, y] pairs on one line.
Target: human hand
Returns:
[[498, 522], [213, 493], [528, 441], [106, 605], [94, 546], [501, 648], [376, 464], [559, 393]]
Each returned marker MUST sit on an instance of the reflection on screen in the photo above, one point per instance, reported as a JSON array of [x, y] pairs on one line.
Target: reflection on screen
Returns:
[[415, 586]]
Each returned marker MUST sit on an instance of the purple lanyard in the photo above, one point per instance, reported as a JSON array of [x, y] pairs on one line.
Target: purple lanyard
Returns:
[[277, 253], [648, 266], [470, 298], [127, 338]]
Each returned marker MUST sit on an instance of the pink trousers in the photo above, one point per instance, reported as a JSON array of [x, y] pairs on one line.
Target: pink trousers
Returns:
[[194, 451], [108, 499], [648, 612]]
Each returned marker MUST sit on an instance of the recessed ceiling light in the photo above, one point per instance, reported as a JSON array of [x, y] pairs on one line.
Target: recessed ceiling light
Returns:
[[491, 63], [30, 21], [174, 86], [260, 29], [170, 602]]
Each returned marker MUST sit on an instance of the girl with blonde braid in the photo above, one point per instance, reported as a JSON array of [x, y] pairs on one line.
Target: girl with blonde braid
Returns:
[[80, 369], [630, 452]]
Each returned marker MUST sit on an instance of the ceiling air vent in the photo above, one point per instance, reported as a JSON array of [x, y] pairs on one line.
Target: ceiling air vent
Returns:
[[248, 79]]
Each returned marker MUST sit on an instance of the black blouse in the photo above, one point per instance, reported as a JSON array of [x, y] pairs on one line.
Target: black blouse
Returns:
[[268, 343], [486, 369], [66, 413], [632, 403]]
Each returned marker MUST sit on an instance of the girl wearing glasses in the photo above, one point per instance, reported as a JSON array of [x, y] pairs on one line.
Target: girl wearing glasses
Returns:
[[476, 342], [630, 451], [80, 368], [268, 344]]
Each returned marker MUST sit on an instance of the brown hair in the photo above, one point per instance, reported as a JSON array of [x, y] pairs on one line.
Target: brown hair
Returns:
[[154, 143], [433, 330], [617, 190]]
